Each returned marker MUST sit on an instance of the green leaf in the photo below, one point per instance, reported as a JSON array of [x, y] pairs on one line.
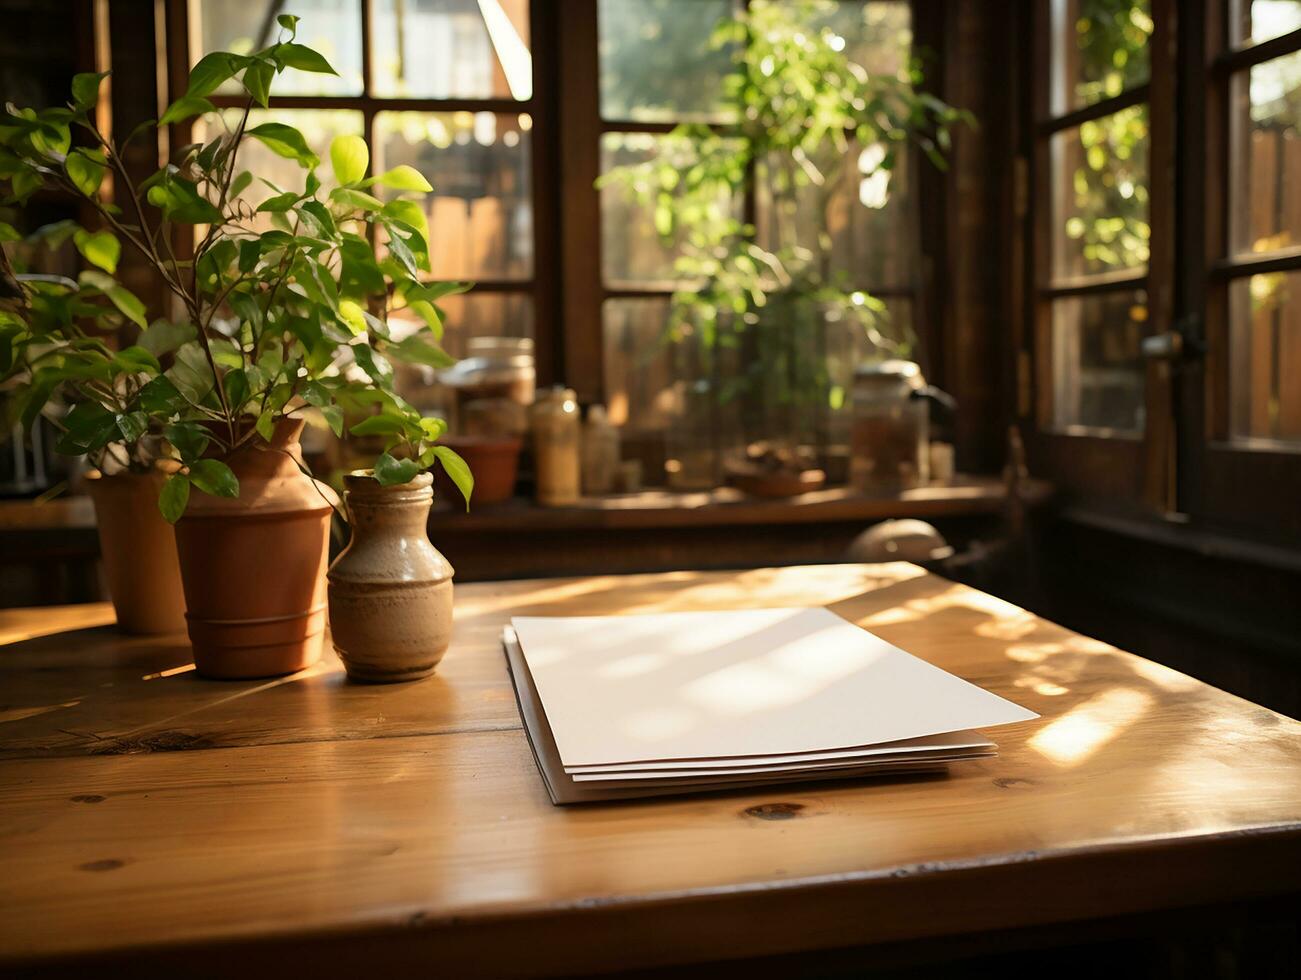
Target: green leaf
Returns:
[[86, 169], [314, 393], [351, 315], [135, 360], [380, 425], [334, 416], [213, 69], [188, 438], [100, 248], [185, 107], [237, 388], [214, 477], [429, 313], [376, 367], [288, 21], [130, 306], [266, 424], [85, 89], [303, 58], [133, 425], [163, 336], [349, 156], [285, 141], [240, 184], [278, 204], [175, 495], [257, 81], [390, 472], [455, 467], [88, 426], [402, 178], [8, 233], [160, 397], [398, 248], [191, 374], [355, 199], [415, 350]]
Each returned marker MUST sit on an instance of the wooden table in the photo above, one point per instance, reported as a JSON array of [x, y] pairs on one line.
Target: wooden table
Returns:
[[184, 827]]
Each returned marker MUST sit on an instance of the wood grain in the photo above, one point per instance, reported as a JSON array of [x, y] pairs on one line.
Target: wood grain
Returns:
[[331, 827]]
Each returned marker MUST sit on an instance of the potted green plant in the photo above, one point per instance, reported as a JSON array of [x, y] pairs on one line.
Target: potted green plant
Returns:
[[800, 118], [281, 309]]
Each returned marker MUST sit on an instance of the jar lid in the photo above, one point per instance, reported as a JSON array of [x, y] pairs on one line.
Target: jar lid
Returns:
[[894, 372]]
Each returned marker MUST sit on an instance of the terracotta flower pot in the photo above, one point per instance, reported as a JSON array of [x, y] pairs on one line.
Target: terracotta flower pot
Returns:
[[494, 463], [138, 550], [254, 567], [390, 589]]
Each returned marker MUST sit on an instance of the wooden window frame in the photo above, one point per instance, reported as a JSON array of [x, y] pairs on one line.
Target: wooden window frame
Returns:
[[1124, 470], [540, 285], [1245, 485]]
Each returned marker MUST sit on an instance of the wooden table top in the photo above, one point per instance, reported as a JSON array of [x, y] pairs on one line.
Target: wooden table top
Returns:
[[319, 826]]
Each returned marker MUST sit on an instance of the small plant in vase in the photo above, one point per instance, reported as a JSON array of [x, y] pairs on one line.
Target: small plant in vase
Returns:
[[280, 309]]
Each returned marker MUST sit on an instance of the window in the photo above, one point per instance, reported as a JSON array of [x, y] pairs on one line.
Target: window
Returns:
[[657, 68], [445, 86], [1249, 450], [1093, 284]]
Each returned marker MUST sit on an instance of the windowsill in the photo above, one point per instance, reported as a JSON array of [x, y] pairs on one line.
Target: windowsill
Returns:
[[650, 509]]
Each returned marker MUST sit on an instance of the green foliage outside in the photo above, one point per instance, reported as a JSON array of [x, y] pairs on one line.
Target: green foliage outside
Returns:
[[269, 322], [1109, 183]]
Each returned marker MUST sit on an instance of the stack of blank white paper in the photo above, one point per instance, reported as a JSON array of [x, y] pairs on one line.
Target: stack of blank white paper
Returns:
[[627, 706]]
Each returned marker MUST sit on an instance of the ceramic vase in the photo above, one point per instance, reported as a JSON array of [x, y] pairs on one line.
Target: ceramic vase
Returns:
[[390, 590], [138, 552], [254, 567]]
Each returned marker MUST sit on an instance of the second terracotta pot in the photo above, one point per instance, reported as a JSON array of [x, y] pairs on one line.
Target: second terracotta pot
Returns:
[[254, 567], [138, 550]]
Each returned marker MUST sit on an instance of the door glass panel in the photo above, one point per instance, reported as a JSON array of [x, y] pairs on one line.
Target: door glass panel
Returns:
[[1100, 195], [452, 49], [1266, 156], [1097, 369], [481, 210], [332, 27], [1099, 50], [1265, 357], [657, 62], [1260, 20]]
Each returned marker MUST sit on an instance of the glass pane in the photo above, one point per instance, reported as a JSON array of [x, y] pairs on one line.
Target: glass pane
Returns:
[[657, 62], [632, 253], [1265, 318], [1097, 370], [1099, 50], [639, 372], [481, 211], [318, 127], [332, 27], [878, 33], [1100, 195], [1266, 156], [868, 216], [452, 49], [465, 315], [1260, 20]]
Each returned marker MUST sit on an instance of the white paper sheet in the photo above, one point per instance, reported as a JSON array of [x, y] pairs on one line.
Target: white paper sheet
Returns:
[[724, 685], [950, 741]]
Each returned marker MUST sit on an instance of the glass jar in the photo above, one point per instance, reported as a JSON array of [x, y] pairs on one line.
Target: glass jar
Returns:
[[888, 434], [555, 423], [494, 368]]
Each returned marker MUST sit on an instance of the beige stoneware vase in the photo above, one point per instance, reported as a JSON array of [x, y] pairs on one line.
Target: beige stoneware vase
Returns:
[[390, 590]]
